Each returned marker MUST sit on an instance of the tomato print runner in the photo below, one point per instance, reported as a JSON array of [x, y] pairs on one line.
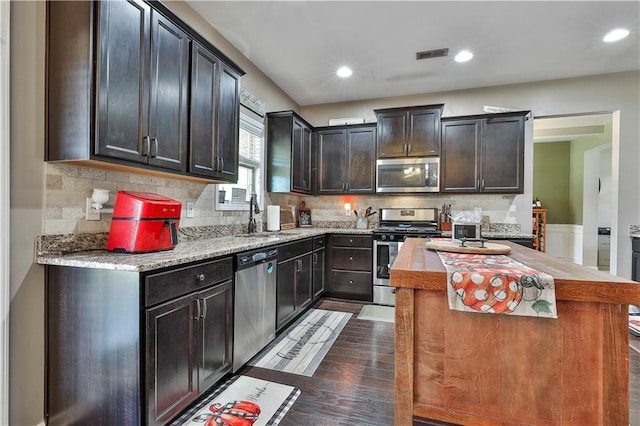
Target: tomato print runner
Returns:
[[497, 284]]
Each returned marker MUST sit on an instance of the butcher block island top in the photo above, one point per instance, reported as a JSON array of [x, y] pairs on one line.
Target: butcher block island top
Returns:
[[490, 369]]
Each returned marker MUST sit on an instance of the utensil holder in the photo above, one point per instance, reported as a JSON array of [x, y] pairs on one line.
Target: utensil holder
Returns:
[[362, 223]]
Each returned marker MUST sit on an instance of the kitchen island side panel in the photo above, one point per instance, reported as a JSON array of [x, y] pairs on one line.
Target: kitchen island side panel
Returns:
[[484, 369], [92, 369]]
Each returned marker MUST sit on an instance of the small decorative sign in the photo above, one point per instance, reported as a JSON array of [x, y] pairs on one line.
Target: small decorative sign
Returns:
[[304, 216], [252, 102]]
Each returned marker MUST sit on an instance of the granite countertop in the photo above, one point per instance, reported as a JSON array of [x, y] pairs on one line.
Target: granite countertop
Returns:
[[634, 231], [186, 251]]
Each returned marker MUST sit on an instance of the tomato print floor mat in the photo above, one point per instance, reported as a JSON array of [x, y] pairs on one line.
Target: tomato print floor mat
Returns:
[[242, 401], [497, 284]]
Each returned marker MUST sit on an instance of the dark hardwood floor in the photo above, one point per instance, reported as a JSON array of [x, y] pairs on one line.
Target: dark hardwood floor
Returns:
[[354, 384]]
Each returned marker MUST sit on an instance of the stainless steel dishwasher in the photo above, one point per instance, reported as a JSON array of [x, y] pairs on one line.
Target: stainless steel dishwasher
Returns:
[[254, 304]]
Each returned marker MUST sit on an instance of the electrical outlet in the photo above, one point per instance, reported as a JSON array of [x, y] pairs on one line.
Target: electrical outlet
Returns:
[[190, 209], [92, 213]]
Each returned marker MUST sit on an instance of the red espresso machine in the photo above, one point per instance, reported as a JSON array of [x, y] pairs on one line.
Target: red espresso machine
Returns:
[[143, 222]]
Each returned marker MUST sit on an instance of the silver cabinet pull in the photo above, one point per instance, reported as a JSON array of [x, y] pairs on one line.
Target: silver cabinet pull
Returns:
[[153, 151], [201, 277], [221, 169], [146, 145], [197, 310], [204, 309], [315, 258]]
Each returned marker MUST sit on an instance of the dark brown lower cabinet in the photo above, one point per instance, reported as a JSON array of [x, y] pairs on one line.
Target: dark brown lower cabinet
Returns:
[[184, 351], [349, 267], [318, 267], [129, 348], [294, 290]]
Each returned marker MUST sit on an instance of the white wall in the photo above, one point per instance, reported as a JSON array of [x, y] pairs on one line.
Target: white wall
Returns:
[[26, 339]]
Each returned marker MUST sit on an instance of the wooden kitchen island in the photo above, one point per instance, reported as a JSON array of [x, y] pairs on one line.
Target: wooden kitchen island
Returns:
[[487, 369]]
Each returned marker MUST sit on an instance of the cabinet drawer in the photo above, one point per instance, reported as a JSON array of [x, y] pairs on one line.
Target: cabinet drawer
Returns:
[[287, 251], [318, 242], [170, 284], [351, 259], [352, 283], [351, 241]]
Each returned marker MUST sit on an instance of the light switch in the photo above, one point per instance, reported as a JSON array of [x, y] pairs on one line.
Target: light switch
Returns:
[[190, 209]]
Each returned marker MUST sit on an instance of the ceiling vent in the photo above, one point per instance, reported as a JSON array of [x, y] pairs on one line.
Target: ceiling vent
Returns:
[[428, 54]]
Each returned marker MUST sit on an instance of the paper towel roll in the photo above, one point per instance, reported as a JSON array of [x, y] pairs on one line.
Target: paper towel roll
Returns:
[[273, 218]]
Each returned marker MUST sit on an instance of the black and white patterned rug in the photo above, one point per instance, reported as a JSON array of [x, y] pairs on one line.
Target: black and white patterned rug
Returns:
[[242, 397], [302, 347]]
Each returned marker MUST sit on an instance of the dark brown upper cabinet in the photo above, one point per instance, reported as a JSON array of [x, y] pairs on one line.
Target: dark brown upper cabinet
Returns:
[[483, 153], [409, 132], [345, 158], [215, 116], [118, 80], [288, 153]]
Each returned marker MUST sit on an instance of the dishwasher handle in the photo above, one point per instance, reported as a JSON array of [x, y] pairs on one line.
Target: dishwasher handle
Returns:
[[259, 256]]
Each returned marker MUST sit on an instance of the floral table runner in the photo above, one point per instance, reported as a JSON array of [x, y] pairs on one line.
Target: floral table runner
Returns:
[[497, 284]]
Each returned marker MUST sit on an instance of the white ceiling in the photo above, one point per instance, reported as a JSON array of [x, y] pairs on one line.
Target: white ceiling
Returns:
[[300, 44]]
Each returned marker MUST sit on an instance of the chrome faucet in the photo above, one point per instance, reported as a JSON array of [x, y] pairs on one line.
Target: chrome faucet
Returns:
[[253, 208]]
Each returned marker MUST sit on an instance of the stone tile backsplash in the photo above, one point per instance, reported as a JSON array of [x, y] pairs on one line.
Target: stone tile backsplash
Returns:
[[68, 186]]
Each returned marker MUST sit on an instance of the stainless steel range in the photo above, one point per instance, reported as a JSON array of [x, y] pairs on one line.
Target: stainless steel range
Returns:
[[396, 224]]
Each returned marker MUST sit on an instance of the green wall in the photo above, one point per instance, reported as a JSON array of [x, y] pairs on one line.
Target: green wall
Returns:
[[576, 169], [551, 179], [558, 171]]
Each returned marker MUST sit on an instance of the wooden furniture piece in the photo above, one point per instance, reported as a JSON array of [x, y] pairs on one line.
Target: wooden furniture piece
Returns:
[[345, 159], [485, 369], [288, 153], [540, 229], [483, 153], [129, 348], [409, 131], [118, 87], [349, 267]]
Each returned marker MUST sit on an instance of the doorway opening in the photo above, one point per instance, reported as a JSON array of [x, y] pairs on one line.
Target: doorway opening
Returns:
[[575, 178]]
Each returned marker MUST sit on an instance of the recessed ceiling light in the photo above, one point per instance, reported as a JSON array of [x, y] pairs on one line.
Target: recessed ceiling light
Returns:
[[344, 72], [615, 35], [463, 56]]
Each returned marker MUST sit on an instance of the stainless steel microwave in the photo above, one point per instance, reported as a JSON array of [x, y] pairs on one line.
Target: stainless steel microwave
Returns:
[[404, 175]]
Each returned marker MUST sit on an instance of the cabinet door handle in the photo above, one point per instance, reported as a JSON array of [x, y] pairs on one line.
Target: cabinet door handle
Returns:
[[351, 241], [201, 277], [298, 265], [351, 258], [482, 184], [315, 258], [350, 281], [197, 310], [204, 309], [347, 186], [408, 149], [146, 145], [153, 151], [221, 164]]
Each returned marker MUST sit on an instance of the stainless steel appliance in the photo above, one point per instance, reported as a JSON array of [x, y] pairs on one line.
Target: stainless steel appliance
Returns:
[[408, 175], [254, 304], [396, 224]]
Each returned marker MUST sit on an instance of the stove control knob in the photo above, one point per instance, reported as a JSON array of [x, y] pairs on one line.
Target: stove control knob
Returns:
[[391, 237], [383, 237]]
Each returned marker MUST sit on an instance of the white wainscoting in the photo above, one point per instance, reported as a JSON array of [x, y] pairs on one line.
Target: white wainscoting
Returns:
[[565, 241]]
